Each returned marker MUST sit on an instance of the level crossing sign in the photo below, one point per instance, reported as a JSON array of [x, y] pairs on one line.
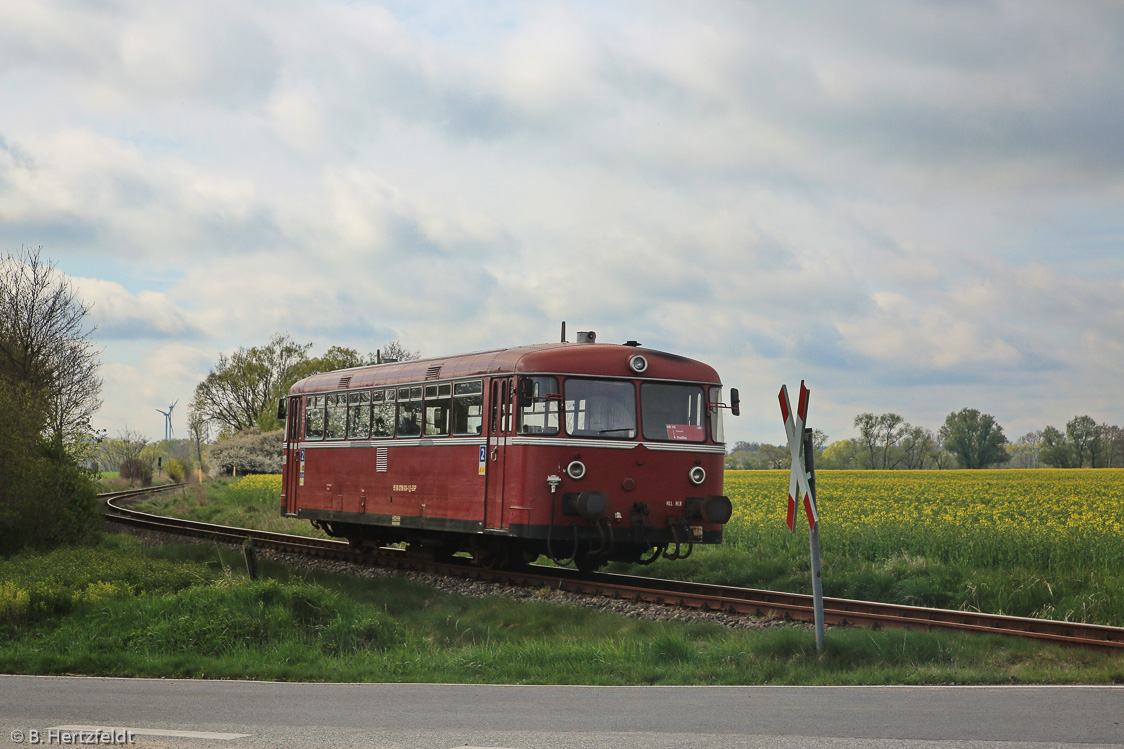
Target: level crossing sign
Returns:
[[800, 483], [798, 479]]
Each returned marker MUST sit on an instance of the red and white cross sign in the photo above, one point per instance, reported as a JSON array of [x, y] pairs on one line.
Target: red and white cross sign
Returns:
[[798, 479]]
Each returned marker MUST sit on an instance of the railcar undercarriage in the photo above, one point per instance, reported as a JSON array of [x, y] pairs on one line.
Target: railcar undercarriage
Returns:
[[587, 548]]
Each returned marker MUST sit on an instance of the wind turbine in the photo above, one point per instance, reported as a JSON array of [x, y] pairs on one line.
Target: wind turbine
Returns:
[[168, 431]]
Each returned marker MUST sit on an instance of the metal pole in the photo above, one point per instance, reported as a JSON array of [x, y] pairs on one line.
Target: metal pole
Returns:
[[251, 558], [814, 539]]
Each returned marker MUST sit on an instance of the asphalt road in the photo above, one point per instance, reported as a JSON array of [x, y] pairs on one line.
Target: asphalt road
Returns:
[[237, 714]]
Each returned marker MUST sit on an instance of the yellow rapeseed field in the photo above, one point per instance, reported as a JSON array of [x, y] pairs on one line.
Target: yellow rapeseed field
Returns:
[[261, 488], [1047, 516]]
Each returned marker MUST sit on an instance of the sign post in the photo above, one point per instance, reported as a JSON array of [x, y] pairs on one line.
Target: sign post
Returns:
[[802, 483]]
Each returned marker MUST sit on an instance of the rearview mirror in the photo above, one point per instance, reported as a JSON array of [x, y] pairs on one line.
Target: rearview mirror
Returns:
[[525, 392], [735, 402]]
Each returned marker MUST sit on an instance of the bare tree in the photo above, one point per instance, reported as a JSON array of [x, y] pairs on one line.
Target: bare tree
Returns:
[[1024, 451], [127, 445], [198, 431], [395, 350], [880, 433], [867, 424], [44, 342], [919, 447]]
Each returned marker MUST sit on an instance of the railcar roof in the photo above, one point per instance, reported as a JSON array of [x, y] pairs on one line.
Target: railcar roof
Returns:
[[597, 359]]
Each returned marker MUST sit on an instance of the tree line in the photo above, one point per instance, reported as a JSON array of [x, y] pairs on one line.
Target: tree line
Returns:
[[232, 423], [237, 401], [967, 439], [49, 390]]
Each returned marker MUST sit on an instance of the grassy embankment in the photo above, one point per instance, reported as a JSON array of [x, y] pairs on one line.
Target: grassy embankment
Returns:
[[1044, 543], [126, 610]]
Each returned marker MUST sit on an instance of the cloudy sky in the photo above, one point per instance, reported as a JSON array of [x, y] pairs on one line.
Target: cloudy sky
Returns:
[[915, 207]]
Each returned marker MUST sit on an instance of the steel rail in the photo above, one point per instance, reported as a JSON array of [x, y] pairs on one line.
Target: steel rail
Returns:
[[700, 596]]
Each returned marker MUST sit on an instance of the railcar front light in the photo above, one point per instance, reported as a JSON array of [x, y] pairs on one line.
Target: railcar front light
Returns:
[[638, 364], [576, 470], [697, 475]]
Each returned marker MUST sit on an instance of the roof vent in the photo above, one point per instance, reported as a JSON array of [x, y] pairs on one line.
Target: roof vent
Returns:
[[634, 344], [587, 336], [344, 382], [433, 372]]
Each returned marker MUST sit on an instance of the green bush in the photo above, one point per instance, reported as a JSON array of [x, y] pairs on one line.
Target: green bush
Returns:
[[39, 586], [45, 499], [136, 469], [175, 470]]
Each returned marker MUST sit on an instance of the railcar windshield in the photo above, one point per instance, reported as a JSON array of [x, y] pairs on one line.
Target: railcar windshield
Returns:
[[539, 414], [673, 412], [600, 408]]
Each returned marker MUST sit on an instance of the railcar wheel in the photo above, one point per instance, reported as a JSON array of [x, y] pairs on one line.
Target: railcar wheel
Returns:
[[586, 562], [490, 556], [501, 555]]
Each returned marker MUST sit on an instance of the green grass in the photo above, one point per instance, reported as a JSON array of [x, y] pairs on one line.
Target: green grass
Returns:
[[188, 611], [239, 502], [871, 562]]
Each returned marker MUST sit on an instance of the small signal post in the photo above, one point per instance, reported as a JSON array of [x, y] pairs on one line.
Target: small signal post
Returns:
[[802, 485]]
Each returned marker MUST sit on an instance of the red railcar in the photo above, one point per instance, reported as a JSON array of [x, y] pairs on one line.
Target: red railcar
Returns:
[[584, 451]]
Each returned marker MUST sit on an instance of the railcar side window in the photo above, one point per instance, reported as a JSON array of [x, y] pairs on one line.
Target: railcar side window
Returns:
[[540, 415], [468, 407], [314, 417], [335, 427], [717, 432], [410, 411], [600, 408], [359, 415], [382, 413], [672, 412], [438, 403]]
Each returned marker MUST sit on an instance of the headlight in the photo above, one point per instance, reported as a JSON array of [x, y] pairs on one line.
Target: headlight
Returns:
[[638, 364], [575, 470], [697, 475]]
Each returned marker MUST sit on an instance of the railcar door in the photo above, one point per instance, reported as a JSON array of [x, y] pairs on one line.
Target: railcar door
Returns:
[[294, 433], [500, 424]]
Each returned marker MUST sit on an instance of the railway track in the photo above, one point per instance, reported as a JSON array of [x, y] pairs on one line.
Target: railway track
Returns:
[[698, 596]]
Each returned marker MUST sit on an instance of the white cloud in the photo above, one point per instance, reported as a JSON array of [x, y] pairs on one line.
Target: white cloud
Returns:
[[119, 313], [916, 207]]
